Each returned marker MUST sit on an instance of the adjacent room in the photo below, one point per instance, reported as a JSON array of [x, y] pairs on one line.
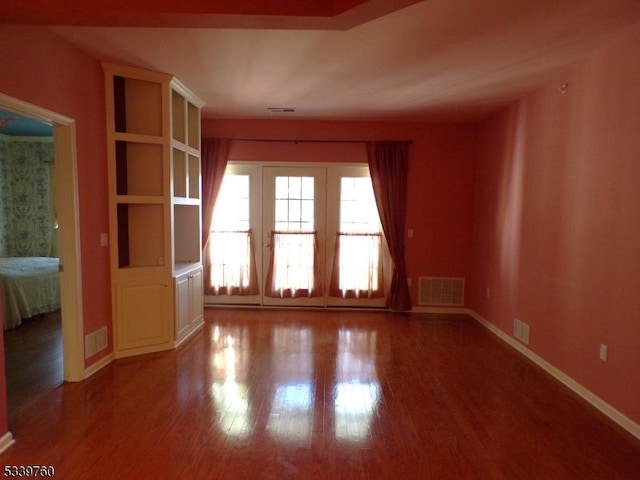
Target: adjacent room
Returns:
[[348, 238], [29, 261]]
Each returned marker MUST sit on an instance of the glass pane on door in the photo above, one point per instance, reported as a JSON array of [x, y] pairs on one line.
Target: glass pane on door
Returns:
[[293, 266], [293, 204], [357, 255], [229, 240], [232, 254], [304, 227], [295, 198], [359, 239]]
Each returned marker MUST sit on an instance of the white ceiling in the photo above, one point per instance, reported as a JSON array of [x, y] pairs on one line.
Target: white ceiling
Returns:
[[434, 60]]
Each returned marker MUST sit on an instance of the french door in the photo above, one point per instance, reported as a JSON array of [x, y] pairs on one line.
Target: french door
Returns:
[[293, 222], [358, 263], [314, 232]]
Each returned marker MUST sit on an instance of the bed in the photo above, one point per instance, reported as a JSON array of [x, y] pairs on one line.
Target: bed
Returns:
[[30, 286]]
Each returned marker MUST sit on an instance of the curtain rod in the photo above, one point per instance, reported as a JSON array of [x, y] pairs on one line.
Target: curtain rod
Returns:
[[272, 140]]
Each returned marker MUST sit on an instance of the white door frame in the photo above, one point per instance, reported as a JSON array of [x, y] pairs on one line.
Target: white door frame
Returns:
[[269, 174], [66, 200]]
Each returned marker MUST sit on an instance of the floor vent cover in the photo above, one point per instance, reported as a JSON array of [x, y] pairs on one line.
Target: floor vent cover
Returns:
[[95, 342], [441, 291]]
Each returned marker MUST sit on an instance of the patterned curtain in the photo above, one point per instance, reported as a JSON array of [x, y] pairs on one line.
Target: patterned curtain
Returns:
[[27, 220]]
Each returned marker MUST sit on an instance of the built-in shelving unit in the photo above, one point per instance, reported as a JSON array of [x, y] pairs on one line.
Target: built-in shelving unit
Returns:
[[153, 134]]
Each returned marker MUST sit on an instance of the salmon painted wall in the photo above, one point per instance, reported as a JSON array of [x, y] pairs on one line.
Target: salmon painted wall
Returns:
[[557, 222], [42, 69], [441, 176]]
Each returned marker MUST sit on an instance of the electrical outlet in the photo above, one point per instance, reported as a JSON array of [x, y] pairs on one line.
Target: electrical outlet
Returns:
[[604, 350], [488, 293], [524, 333], [521, 331]]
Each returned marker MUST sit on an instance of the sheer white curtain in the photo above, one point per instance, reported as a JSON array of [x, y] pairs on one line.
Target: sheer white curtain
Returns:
[[293, 269], [232, 255], [357, 269]]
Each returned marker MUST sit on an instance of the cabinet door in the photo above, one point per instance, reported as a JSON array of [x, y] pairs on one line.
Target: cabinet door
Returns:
[[143, 320], [197, 297], [182, 305], [189, 303]]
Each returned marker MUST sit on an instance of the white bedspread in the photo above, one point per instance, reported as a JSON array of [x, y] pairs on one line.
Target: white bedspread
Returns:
[[30, 286]]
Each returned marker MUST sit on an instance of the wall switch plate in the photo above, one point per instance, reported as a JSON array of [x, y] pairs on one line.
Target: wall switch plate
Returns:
[[603, 352], [104, 239]]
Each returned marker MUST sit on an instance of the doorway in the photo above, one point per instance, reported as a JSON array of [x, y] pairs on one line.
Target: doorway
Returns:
[[66, 205], [312, 231], [294, 236], [32, 332]]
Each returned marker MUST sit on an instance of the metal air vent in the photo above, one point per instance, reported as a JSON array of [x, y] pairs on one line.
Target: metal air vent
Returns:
[[441, 291]]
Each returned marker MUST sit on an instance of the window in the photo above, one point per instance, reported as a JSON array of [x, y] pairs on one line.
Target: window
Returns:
[[230, 242], [313, 231], [358, 252], [293, 266]]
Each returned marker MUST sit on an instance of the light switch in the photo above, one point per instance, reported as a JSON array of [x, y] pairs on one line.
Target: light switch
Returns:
[[104, 239]]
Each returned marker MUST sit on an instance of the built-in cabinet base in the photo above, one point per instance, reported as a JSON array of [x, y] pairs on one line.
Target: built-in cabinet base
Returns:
[[143, 316], [189, 314]]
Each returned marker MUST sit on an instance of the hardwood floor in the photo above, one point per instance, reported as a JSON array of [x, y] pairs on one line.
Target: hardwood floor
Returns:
[[324, 395], [33, 358]]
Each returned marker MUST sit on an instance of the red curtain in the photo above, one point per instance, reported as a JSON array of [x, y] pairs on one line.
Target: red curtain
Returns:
[[215, 153], [389, 166]]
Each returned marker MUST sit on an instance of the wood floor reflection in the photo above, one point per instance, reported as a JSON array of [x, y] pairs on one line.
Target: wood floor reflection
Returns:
[[324, 395], [33, 362]]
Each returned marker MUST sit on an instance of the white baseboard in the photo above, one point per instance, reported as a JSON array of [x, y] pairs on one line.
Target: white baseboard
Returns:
[[99, 365], [618, 417], [6, 441]]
